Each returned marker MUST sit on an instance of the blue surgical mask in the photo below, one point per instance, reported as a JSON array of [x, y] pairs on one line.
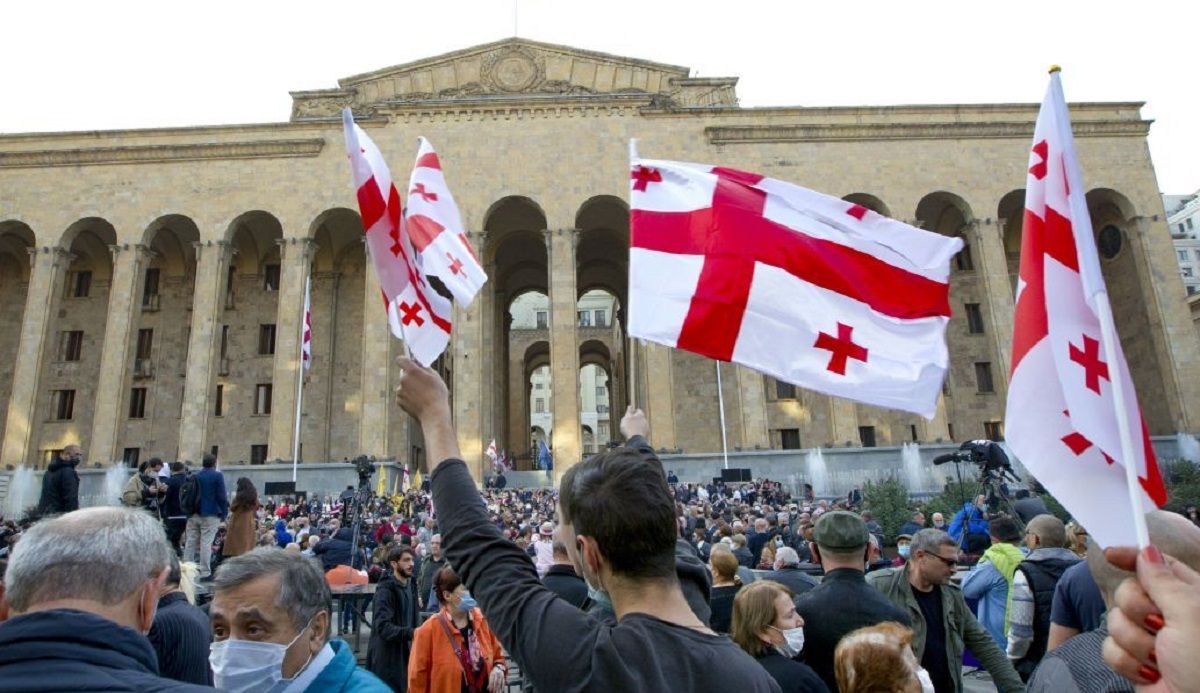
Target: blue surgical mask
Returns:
[[793, 641], [599, 596], [467, 602], [904, 550], [248, 665]]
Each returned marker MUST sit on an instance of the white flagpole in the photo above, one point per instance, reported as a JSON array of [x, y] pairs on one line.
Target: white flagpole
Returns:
[[300, 376], [721, 405], [634, 343]]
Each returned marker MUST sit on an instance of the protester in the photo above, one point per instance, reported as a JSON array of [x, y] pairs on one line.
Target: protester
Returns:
[[969, 527], [430, 565], [212, 509], [395, 617], [562, 579], [879, 659], [282, 536], [144, 490], [180, 633], [174, 518], [787, 573], [60, 483], [916, 523], [875, 557], [938, 520], [725, 586], [903, 547], [242, 526], [990, 581], [455, 650], [1028, 505], [543, 548], [843, 602], [1033, 591], [741, 552], [81, 607], [1078, 606], [618, 516], [1077, 539], [941, 622], [765, 624], [270, 623]]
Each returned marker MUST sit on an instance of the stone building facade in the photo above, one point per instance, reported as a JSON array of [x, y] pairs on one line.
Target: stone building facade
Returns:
[[151, 281]]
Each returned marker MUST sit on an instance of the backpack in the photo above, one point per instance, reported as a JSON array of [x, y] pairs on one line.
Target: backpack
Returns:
[[189, 495]]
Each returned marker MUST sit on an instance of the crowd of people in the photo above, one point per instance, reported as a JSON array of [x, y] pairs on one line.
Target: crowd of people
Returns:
[[623, 578]]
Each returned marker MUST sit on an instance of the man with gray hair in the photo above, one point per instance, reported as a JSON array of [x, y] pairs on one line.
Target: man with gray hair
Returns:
[[1033, 591], [271, 623], [84, 588], [942, 624], [787, 572]]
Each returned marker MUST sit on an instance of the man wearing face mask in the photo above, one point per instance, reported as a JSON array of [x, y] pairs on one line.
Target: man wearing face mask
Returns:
[[81, 607], [395, 615], [270, 622], [60, 484]]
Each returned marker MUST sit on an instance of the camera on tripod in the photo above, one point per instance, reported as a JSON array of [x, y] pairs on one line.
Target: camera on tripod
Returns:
[[991, 459], [365, 468]]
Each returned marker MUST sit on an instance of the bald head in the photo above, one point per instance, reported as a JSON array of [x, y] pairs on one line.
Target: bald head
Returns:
[[1049, 531], [1173, 534]]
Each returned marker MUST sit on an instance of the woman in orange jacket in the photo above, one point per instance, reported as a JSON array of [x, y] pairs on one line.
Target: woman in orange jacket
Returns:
[[455, 650]]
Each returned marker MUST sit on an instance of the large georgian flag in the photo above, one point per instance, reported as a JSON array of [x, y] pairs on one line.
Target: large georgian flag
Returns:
[[1061, 419], [805, 287], [436, 229], [416, 313], [306, 337]]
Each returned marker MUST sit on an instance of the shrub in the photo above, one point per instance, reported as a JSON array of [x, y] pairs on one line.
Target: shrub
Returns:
[[888, 502]]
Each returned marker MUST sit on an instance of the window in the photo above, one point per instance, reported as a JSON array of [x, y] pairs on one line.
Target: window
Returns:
[[1197, 254], [271, 278], [229, 284], [585, 318], [867, 435], [79, 284], [983, 377], [912, 432], [1186, 271], [784, 390], [266, 340], [963, 261], [1190, 290], [214, 450], [219, 405], [70, 345], [131, 456], [789, 438], [539, 406], [137, 403], [993, 430], [1182, 228], [145, 343], [258, 454], [601, 318], [602, 432], [537, 386], [543, 319], [62, 405], [224, 341], [974, 318], [950, 430], [601, 408], [1189, 223], [1183, 255], [150, 287], [262, 399], [601, 392]]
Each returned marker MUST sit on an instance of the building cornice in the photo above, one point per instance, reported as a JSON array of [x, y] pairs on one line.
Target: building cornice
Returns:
[[839, 132], [159, 153]]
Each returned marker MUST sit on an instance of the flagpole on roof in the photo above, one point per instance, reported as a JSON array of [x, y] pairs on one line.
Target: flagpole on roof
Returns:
[[721, 406], [300, 375]]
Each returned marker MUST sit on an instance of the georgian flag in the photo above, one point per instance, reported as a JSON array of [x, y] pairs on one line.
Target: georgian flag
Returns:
[[804, 287], [306, 341]]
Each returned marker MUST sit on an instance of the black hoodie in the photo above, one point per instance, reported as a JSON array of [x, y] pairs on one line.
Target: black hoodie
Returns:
[[60, 488]]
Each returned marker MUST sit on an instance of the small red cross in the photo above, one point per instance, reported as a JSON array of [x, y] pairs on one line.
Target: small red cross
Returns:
[[1089, 357], [455, 264], [419, 189], [395, 235], [412, 312], [645, 176], [857, 211], [1042, 149], [842, 348], [1080, 444]]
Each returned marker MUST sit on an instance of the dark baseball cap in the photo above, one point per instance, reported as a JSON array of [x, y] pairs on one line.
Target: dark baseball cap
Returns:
[[841, 530]]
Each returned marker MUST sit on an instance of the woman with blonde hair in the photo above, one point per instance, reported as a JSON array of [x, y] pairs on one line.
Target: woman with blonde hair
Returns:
[[766, 625], [726, 584], [879, 659], [1077, 539]]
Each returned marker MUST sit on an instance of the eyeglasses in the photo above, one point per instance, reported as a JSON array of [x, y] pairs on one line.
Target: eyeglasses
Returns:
[[950, 562]]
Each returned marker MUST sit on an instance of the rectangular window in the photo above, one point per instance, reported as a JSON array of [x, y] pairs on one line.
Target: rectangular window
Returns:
[[137, 403], [79, 284], [1197, 254], [585, 318], [950, 430], [601, 392], [993, 430], [1186, 271], [266, 340], [912, 432], [1189, 223], [601, 408], [537, 386], [131, 456], [262, 399], [219, 405], [1183, 255], [62, 405], [602, 432], [224, 341], [983, 377], [271, 278], [539, 405], [784, 390], [150, 287], [543, 319], [974, 318], [789, 438], [70, 345], [867, 435], [1191, 290], [601, 318], [963, 261], [258, 454], [145, 343], [214, 450], [1181, 227]]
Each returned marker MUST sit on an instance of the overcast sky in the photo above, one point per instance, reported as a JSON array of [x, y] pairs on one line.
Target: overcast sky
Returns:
[[118, 64]]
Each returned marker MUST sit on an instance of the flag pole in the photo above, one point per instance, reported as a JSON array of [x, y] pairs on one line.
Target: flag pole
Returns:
[[300, 376], [634, 342], [721, 406]]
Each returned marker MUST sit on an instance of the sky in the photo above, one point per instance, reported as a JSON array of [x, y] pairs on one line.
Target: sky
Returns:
[[126, 64]]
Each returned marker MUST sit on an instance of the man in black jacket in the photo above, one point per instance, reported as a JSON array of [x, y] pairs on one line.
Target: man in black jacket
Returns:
[[618, 515], [181, 634], [562, 580], [432, 563], [81, 607], [336, 550], [395, 614], [174, 518], [60, 484]]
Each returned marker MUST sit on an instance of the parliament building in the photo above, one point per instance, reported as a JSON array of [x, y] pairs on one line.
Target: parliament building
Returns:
[[152, 281]]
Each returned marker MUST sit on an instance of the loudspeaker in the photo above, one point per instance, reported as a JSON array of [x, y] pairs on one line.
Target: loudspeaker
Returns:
[[728, 475], [279, 488]]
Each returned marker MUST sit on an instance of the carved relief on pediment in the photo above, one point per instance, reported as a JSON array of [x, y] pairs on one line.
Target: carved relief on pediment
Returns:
[[514, 70], [326, 105]]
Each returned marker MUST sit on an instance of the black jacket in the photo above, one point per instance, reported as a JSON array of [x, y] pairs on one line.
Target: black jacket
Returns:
[[792, 676], [69, 650], [180, 637], [395, 614], [425, 575], [335, 551], [171, 507], [60, 488], [798, 581], [841, 603], [562, 580]]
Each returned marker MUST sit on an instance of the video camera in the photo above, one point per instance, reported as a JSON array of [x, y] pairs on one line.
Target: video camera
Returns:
[[991, 459], [365, 468]]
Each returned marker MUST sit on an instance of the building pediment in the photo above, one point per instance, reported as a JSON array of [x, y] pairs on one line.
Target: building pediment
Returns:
[[515, 70]]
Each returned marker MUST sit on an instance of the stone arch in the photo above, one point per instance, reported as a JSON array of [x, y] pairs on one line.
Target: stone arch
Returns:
[[597, 392], [1011, 215], [16, 241], [254, 235], [537, 406], [527, 316], [869, 201]]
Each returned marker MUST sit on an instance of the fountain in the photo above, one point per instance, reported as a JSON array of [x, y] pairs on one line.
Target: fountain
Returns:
[[1187, 447], [914, 470], [22, 493], [818, 473], [115, 478]]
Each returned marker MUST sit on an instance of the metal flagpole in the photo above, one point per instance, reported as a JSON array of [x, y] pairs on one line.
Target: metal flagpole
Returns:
[[300, 375], [634, 343], [721, 405]]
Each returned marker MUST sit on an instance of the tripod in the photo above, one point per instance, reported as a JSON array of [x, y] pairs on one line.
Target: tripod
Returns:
[[353, 511]]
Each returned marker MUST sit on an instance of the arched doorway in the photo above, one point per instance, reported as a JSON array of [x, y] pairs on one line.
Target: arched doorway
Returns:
[[16, 242]]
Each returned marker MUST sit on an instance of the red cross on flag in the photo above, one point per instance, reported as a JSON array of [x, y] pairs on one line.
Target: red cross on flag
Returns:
[[802, 286], [436, 229], [416, 313], [1062, 418], [306, 337]]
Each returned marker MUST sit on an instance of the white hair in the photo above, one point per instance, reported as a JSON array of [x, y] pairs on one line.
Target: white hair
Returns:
[[786, 555]]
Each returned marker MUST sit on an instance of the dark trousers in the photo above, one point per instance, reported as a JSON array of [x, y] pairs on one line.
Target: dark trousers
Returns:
[[175, 529]]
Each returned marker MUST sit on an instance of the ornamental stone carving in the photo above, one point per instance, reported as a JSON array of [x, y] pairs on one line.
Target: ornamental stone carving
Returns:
[[513, 70]]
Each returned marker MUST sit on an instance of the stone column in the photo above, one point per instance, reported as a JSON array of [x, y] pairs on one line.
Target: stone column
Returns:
[[843, 421], [45, 278], [114, 359], [564, 349], [212, 271], [656, 392], [998, 296], [935, 429], [471, 365], [753, 400], [295, 261], [375, 388]]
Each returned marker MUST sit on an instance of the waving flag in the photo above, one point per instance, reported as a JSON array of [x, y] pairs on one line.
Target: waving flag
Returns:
[[306, 342], [804, 287], [1062, 420], [416, 313]]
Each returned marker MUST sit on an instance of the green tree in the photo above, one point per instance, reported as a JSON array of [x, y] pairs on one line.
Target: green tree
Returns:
[[888, 501]]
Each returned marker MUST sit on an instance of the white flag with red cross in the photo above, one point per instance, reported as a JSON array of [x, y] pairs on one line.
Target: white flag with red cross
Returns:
[[416, 313], [804, 287], [306, 338], [436, 229], [1061, 419]]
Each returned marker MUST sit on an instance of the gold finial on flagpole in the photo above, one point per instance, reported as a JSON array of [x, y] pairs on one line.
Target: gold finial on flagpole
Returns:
[[1055, 68]]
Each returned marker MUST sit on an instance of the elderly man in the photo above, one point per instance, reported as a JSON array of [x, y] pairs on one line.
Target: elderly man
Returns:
[[82, 606], [1033, 588], [60, 483], [787, 572], [270, 622]]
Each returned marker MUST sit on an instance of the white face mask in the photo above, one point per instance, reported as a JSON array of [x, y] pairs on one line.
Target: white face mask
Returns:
[[246, 665], [793, 641]]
